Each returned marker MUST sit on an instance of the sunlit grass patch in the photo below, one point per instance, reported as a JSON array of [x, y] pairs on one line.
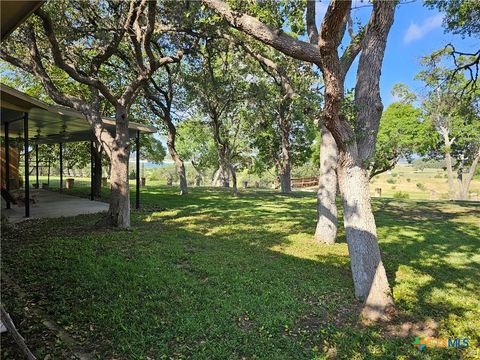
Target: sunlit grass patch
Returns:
[[211, 276]]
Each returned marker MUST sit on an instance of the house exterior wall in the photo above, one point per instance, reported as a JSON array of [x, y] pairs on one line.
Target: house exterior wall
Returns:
[[14, 166]]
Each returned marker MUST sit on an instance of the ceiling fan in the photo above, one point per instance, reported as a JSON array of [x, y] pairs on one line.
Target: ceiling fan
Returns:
[[64, 134], [37, 137]]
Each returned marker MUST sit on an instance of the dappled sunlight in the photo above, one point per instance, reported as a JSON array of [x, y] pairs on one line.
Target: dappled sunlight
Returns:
[[432, 258], [207, 260], [406, 279], [302, 245]]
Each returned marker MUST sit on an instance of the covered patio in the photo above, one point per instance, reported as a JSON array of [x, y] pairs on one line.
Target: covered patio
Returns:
[[51, 204], [29, 122]]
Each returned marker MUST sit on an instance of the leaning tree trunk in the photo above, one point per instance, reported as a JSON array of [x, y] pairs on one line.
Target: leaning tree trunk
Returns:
[[97, 170], [468, 178], [327, 221], [369, 276], [216, 177], [118, 214], [356, 151], [179, 165]]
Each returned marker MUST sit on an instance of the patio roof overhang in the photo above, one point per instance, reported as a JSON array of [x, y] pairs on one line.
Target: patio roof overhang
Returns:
[[51, 124], [14, 13]]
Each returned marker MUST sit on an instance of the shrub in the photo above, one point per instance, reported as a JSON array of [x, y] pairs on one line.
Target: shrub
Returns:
[[132, 176], [393, 187], [394, 174], [153, 176], [391, 181], [421, 186], [408, 179], [401, 195]]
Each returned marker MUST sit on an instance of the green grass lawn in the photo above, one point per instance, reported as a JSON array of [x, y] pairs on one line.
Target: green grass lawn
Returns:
[[216, 277]]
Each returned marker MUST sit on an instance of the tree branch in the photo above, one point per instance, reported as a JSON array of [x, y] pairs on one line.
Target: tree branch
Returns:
[[131, 90], [311, 25], [333, 24], [276, 38], [38, 70], [60, 62], [109, 50]]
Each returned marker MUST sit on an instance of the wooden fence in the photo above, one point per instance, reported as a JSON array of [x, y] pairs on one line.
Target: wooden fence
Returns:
[[304, 182]]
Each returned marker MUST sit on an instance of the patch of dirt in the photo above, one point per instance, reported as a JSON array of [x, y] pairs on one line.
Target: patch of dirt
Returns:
[[35, 229], [318, 316], [245, 323], [427, 328]]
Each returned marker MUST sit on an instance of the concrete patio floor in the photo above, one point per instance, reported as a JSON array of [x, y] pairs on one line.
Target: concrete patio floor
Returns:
[[52, 204]]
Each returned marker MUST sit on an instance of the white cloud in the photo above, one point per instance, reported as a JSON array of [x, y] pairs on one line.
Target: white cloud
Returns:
[[416, 32]]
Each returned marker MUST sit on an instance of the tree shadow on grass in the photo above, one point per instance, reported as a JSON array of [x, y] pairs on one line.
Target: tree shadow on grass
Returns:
[[168, 290], [204, 279], [431, 253]]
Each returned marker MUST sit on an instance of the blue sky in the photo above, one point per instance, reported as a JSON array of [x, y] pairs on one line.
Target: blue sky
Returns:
[[416, 32]]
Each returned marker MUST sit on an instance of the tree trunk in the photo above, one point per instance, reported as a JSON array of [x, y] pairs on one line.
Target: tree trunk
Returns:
[[234, 180], [216, 177], [451, 186], [179, 165], [327, 221], [448, 160], [468, 179], [369, 276], [97, 170], [223, 175], [198, 180], [285, 166], [119, 210], [461, 189], [285, 180]]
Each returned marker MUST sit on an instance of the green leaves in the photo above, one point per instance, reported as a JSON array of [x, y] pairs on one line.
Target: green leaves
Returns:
[[402, 133], [461, 16], [454, 114]]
